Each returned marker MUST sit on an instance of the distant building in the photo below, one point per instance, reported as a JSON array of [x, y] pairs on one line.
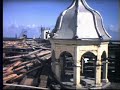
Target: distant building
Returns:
[[45, 33]]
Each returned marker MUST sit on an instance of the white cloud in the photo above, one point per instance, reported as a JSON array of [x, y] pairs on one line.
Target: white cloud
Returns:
[[28, 25], [113, 28], [33, 25]]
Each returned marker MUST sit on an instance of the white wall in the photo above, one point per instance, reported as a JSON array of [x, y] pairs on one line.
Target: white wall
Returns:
[[44, 34]]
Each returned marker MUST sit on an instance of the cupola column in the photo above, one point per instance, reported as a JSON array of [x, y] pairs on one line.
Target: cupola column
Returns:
[[98, 69], [105, 69], [57, 69], [77, 68]]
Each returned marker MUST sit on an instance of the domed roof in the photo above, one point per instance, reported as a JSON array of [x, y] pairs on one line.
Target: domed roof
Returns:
[[80, 21]]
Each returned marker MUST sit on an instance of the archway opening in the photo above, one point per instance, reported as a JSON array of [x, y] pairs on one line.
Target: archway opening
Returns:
[[103, 58], [66, 65], [88, 61]]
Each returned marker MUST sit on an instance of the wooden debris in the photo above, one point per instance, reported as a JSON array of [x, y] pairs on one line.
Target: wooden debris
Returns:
[[17, 77], [9, 77], [14, 65], [20, 65], [42, 53], [25, 86], [16, 59]]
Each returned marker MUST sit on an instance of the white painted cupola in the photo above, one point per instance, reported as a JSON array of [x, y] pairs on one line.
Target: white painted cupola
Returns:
[[79, 21], [79, 34]]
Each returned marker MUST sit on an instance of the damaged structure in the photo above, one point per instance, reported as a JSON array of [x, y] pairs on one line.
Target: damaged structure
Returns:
[[76, 57], [80, 41]]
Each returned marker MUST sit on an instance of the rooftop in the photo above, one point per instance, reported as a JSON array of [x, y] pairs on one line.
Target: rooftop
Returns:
[[79, 21]]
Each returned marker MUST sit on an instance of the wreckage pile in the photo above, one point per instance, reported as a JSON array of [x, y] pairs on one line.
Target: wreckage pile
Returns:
[[27, 70], [29, 67]]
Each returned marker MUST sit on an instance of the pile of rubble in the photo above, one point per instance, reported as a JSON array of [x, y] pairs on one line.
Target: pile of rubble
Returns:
[[17, 70], [25, 69], [16, 44]]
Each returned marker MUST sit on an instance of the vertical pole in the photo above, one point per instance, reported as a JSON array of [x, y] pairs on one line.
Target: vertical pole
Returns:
[[98, 73], [105, 69], [77, 67], [98, 69], [57, 70]]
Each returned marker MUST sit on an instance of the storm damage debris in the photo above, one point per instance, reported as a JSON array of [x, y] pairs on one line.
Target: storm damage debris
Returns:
[[23, 67]]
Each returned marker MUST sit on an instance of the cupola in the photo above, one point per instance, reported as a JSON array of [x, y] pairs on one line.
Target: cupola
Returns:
[[79, 21]]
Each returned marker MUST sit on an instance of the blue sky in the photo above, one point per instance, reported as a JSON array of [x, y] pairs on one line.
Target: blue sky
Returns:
[[31, 14]]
